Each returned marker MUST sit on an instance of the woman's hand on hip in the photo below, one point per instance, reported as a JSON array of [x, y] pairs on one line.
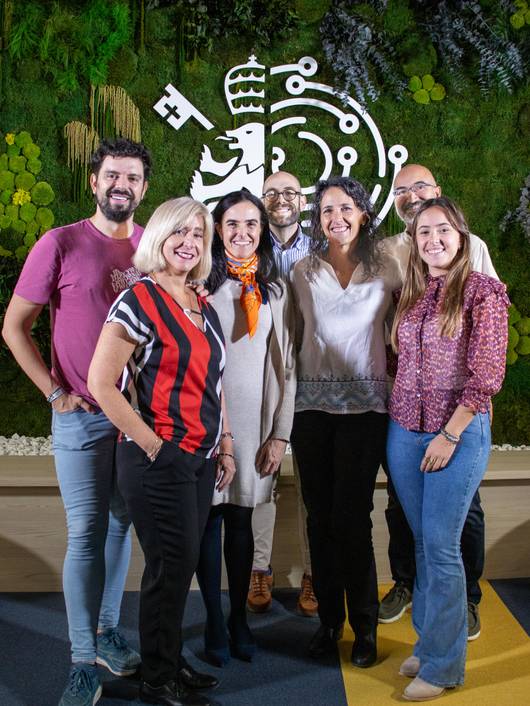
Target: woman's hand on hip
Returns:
[[270, 456], [437, 454]]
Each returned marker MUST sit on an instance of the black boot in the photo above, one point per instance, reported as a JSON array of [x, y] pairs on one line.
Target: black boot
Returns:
[[324, 641], [364, 650]]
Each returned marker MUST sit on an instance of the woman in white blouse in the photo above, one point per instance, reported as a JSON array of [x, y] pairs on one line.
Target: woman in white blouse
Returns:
[[343, 293]]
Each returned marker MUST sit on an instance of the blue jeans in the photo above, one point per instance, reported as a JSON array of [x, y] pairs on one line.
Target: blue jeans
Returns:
[[99, 543], [436, 505]]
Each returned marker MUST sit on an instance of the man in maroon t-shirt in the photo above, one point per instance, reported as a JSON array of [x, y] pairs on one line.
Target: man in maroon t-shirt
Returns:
[[79, 270]]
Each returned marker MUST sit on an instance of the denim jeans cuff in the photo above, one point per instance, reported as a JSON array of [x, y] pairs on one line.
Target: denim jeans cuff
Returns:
[[424, 674]]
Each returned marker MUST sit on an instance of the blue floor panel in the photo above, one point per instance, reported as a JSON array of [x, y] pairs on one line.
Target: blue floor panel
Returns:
[[34, 656]]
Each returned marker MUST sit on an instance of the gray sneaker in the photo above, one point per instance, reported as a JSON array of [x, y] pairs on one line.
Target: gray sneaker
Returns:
[[395, 603], [83, 688], [114, 653], [473, 621]]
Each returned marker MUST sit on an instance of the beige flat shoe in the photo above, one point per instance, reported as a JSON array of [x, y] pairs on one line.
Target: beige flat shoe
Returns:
[[420, 690], [410, 667]]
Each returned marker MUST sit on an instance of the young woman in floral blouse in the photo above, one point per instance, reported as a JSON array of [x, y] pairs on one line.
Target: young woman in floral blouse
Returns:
[[450, 332]]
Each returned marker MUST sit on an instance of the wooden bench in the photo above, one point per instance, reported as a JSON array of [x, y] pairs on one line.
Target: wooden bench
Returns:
[[33, 534]]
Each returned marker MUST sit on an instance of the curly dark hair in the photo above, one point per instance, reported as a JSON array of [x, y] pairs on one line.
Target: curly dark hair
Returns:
[[267, 273], [120, 147], [366, 244]]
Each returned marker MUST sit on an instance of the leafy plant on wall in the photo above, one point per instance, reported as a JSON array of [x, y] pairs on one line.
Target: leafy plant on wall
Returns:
[[372, 44], [199, 22], [521, 215], [81, 140], [461, 30], [72, 46], [24, 201], [360, 52], [112, 114]]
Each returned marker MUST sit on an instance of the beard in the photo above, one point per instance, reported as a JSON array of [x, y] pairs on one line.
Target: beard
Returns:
[[286, 219], [117, 213], [408, 211]]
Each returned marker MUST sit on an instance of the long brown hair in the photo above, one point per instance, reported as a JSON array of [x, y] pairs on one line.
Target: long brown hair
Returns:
[[413, 289]]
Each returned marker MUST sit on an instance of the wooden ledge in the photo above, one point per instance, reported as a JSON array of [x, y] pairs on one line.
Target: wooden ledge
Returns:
[[39, 471]]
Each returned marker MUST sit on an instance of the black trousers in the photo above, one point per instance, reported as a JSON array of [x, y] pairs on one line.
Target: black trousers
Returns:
[[401, 544], [338, 456], [168, 502]]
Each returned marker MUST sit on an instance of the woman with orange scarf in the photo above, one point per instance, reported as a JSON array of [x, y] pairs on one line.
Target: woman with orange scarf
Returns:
[[259, 385]]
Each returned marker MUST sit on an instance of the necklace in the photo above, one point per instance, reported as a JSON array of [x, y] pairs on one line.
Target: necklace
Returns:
[[188, 310]]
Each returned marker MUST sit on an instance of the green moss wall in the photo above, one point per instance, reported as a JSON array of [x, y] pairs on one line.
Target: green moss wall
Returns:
[[477, 148]]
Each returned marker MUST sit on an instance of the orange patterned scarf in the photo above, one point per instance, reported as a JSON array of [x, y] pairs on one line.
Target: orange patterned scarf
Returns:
[[245, 271]]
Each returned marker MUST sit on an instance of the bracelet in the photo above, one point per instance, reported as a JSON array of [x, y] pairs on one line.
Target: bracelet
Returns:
[[226, 454], [58, 392], [151, 455], [227, 434], [451, 438]]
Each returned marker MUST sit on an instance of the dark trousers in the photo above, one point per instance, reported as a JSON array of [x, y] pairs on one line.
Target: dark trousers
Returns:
[[401, 544], [338, 456], [168, 502]]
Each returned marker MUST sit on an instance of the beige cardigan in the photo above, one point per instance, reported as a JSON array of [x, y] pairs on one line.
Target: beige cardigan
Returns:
[[280, 373]]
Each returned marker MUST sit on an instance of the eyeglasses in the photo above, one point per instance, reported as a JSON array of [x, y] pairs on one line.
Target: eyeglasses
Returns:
[[288, 194], [418, 188]]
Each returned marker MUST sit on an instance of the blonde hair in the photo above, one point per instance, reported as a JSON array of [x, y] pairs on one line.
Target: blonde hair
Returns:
[[450, 312], [169, 217]]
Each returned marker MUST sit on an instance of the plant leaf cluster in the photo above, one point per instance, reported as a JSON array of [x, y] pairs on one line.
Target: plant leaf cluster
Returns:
[[360, 53], [521, 215], [204, 20], [72, 45], [371, 44], [461, 32]]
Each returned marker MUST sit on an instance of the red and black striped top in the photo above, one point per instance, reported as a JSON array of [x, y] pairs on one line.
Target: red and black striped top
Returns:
[[173, 378]]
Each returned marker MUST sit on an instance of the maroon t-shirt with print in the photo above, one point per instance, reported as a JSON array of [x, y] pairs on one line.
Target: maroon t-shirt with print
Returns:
[[79, 271]]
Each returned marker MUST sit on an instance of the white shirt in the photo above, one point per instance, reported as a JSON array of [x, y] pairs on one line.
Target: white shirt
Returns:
[[398, 246], [341, 363]]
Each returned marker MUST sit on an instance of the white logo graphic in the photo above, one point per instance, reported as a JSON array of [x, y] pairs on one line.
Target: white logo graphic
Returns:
[[121, 280], [244, 88]]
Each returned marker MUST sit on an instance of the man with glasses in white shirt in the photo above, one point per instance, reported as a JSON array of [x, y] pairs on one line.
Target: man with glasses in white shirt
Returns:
[[412, 185], [283, 201]]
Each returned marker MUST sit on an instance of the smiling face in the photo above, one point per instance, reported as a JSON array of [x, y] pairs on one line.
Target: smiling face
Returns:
[[119, 187], [240, 230], [424, 187], [183, 249], [282, 212], [438, 241], [340, 218]]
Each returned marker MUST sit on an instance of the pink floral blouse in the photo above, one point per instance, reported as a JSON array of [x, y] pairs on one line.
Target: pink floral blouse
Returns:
[[435, 374]]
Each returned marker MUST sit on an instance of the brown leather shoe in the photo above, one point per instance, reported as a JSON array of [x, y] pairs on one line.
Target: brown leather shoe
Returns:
[[307, 601], [259, 599]]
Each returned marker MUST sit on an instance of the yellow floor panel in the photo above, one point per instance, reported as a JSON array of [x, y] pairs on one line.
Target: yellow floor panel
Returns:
[[497, 669]]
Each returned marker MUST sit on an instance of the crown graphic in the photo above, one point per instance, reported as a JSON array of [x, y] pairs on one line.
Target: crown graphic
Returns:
[[234, 77]]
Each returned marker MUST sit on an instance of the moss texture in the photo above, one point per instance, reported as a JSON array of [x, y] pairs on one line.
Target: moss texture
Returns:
[[477, 148]]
